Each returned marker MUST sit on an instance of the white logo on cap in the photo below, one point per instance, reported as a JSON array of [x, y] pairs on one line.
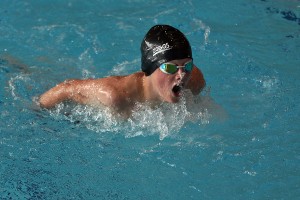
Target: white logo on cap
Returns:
[[161, 48]]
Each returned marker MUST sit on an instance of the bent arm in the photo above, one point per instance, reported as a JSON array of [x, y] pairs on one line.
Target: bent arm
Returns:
[[56, 95], [90, 91], [196, 82]]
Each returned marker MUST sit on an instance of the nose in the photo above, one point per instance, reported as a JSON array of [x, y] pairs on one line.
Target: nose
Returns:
[[180, 73]]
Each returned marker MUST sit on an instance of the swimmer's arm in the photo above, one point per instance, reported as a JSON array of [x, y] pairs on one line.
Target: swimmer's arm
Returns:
[[55, 95], [79, 91], [196, 82], [93, 92]]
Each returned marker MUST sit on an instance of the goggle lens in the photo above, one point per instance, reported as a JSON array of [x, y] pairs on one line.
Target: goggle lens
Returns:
[[170, 68]]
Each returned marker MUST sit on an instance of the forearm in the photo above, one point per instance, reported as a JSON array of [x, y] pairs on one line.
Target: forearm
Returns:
[[55, 96]]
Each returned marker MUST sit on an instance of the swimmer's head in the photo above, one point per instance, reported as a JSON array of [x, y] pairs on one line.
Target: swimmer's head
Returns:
[[161, 44]]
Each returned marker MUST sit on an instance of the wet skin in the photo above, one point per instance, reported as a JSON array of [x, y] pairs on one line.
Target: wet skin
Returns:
[[122, 92]]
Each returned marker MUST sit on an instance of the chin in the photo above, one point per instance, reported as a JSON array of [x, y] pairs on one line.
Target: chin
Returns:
[[174, 99], [171, 97]]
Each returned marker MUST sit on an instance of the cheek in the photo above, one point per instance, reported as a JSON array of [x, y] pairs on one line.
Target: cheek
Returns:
[[164, 82]]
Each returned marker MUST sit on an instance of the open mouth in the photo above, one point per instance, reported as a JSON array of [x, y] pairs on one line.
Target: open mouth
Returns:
[[176, 90]]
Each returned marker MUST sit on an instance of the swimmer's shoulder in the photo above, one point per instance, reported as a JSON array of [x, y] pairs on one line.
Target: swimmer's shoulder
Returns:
[[121, 90], [122, 78], [116, 84], [197, 81]]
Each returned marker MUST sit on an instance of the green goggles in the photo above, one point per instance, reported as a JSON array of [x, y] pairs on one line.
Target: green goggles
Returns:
[[170, 68]]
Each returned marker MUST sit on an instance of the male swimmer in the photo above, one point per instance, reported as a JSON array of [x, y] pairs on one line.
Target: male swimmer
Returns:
[[167, 69]]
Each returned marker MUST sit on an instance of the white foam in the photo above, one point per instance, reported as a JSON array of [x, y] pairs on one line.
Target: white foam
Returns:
[[12, 84], [202, 26], [165, 120], [267, 83], [122, 68]]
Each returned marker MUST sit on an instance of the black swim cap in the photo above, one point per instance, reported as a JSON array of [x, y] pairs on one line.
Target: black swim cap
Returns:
[[161, 44]]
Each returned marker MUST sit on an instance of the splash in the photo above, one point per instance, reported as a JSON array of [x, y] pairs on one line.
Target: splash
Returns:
[[122, 68], [203, 27], [164, 120], [15, 82]]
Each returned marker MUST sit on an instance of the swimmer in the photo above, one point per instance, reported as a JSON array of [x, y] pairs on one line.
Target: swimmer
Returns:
[[167, 69]]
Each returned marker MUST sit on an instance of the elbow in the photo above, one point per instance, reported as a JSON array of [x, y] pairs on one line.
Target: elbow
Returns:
[[199, 87], [55, 95], [45, 102], [196, 85], [202, 85], [197, 81]]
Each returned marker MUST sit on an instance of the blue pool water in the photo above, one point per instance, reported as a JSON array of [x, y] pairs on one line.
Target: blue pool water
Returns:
[[237, 140]]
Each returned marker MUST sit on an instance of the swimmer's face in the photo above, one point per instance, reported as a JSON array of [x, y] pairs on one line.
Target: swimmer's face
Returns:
[[170, 86]]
